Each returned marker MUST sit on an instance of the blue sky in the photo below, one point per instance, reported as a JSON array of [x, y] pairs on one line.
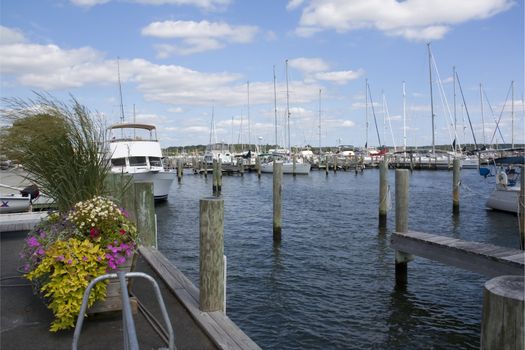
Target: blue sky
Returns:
[[182, 59]]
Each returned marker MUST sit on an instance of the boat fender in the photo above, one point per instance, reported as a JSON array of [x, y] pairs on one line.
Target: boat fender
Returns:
[[502, 179]]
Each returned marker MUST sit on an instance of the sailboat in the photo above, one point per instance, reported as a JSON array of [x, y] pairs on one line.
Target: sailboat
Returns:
[[290, 165]]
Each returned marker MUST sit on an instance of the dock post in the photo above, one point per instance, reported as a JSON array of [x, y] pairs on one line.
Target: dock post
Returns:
[[277, 192], [215, 177], [502, 324], [211, 256], [402, 258], [456, 181], [294, 165], [179, 170], [335, 163], [383, 192], [241, 166], [522, 209], [326, 167], [145, 213], [258, 166], [219, 176]]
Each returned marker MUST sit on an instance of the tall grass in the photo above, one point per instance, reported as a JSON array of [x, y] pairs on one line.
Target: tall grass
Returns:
[[60, 145]]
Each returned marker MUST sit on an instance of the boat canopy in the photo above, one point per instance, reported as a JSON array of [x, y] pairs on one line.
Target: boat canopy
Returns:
[[132, 126]]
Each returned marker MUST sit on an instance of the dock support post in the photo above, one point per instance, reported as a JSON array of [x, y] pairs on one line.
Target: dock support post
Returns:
[[456, 181], [522, 209], [219, 176], [294, 165], [211, 256], [179, 170], [277, 192], [383, 192], [402, 258], [215, 177], [502, 325], [145, 213], [241, 166], [258, 166], [326, 165]]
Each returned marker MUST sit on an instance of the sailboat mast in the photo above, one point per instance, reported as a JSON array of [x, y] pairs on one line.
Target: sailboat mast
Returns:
[[404, 119], [366, 112], [454, 87], [512, 115], [288, 109], [120, 92], [482, 116], [431, 98], [275, 106], [319, 121], [248, 112]]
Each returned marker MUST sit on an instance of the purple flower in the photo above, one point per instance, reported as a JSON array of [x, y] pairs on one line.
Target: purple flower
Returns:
[[124, 212], [84, 258], [33, 242], [60, 258], [69, 262], [40, 251]]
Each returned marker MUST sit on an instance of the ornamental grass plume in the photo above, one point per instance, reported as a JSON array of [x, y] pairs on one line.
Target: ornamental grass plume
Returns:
[[61, 146]]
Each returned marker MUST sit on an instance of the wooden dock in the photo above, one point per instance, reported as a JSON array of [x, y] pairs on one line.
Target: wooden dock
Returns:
[[220, 329], [483, 258]]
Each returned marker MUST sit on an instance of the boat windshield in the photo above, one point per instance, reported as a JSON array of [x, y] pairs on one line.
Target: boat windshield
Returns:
[[137, 161]]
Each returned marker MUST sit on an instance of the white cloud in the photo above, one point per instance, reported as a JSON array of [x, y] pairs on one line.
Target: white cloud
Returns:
[[411, 19], [204, 4], [308, 65], [10, 36], [88, 3], [197, 36], [339, 77], [293, 4]]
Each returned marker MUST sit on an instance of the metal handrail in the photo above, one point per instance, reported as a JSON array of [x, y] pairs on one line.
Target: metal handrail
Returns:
[[130, 334]]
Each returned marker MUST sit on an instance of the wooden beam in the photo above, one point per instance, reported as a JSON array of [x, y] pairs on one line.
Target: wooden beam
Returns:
[[221, 330], [486, 259]]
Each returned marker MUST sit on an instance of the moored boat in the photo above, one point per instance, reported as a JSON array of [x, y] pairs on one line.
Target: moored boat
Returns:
[[135, 150]]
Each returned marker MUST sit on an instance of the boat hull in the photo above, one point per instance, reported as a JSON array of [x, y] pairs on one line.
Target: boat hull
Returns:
[[14, 204], [161, 182], [504, 200], [288, 168]]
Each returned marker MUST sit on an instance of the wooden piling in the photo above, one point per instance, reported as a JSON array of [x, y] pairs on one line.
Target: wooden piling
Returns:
[[179, 170], [215, 177], [241, 166], [402, 258], [456, 181], [145, 213], [522, 209], [219, 176], [258, 166], [326, 165], [383, 192], [294, 165], [277, 192], [211, 261], [502, 325], [335, 163]]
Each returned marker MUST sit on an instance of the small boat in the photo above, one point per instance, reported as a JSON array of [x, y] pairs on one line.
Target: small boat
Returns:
[[135, 150], [17, 202], [505, 195]]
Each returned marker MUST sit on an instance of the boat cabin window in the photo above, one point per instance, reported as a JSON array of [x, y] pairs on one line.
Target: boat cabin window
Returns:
[[137, 161], [155, 161], [118, 161]]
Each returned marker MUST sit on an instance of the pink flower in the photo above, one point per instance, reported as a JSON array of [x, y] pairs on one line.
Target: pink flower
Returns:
[[122, 232]]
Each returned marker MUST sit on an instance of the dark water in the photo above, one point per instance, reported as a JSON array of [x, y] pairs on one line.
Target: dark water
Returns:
[[330, 283]]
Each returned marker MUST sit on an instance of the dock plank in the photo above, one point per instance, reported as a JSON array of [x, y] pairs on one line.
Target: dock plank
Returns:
[[483, 258], [219, 327]]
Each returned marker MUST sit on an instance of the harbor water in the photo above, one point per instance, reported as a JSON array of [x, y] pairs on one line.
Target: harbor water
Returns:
[[330, 283]]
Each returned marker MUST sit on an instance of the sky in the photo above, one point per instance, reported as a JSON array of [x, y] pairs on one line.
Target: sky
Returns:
[[186, 65]]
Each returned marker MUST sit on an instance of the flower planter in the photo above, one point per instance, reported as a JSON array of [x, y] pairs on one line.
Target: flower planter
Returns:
[[113, 301]]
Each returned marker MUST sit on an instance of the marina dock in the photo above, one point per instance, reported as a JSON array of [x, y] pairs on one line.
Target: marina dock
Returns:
[[25, 320]]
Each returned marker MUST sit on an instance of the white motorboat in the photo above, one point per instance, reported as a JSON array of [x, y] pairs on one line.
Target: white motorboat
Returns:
[[135, 150], [506, 194]]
